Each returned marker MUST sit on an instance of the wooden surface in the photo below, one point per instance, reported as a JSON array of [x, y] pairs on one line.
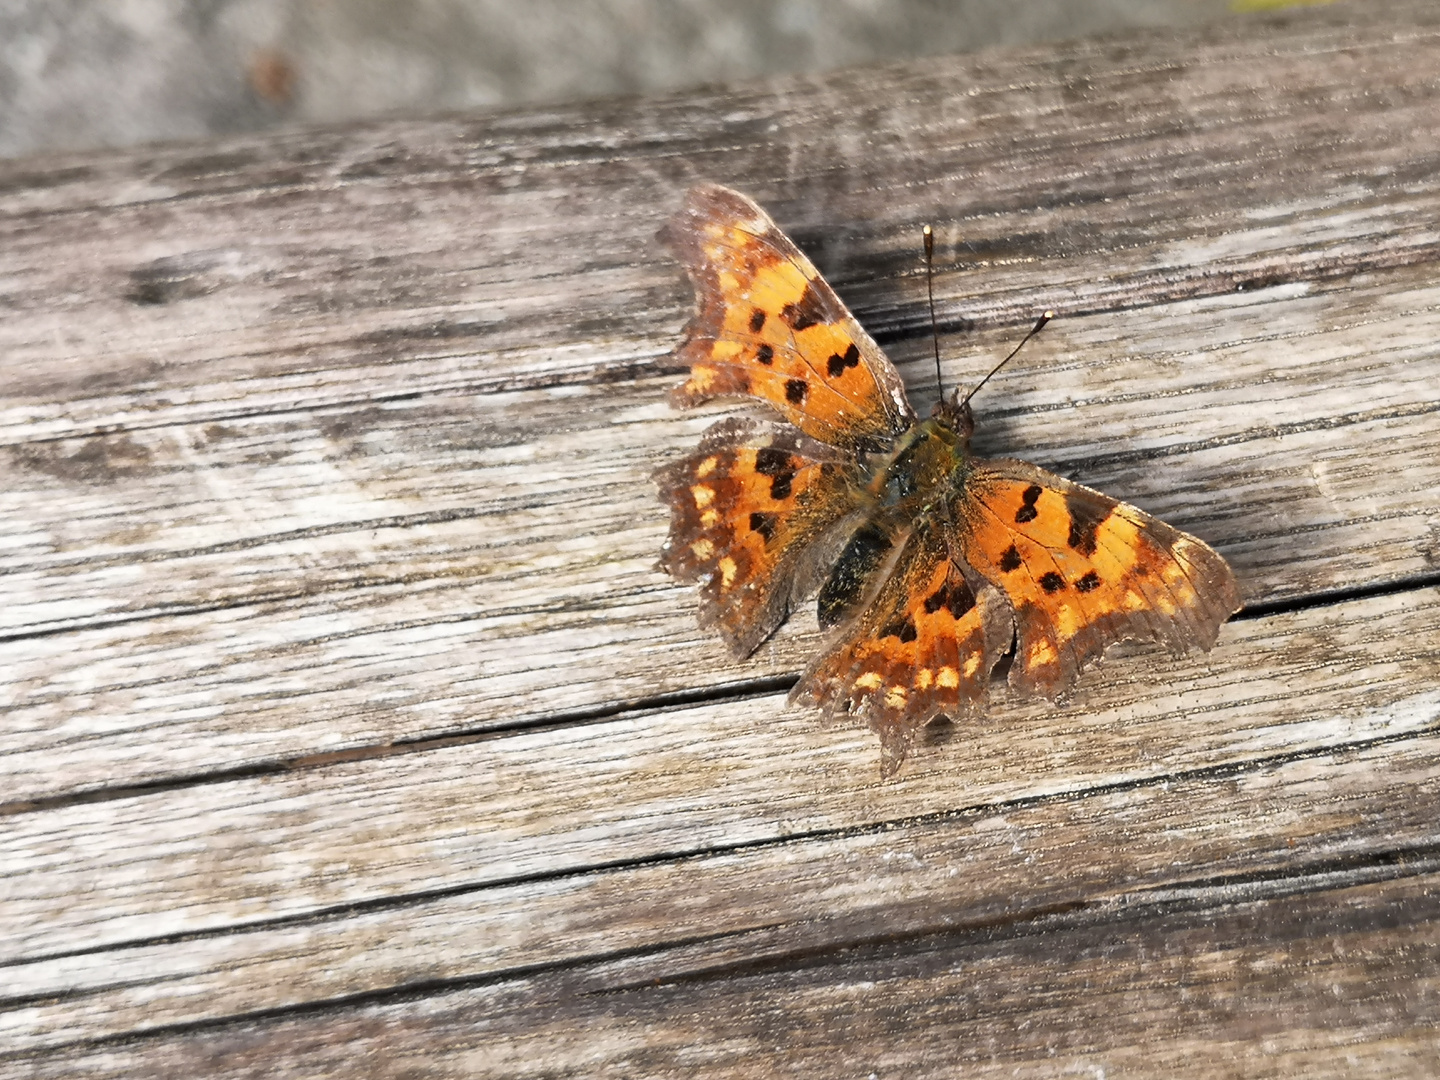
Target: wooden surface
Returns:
[[349, 728]]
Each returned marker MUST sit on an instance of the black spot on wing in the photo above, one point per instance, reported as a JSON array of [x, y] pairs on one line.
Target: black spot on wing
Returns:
[[904, 629], [1051, 582], [1085, 518], [959, 599], [1027, 511], [1089, 582], [780, 467], [765, 355], [772, 461], [839, 364], [954, 596], [795, 391], [1010, 560], [805, 312], [757, 320], [763, 523]]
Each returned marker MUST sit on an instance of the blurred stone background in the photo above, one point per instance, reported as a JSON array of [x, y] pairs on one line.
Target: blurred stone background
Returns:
[[83, 73]]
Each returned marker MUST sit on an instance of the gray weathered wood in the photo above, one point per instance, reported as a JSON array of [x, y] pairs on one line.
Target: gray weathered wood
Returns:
[[1299, 980], [678, 782], [454, 561], [1001, 861], [348, 727]]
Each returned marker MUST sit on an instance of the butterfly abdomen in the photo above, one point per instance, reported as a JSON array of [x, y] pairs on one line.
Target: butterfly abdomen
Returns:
[[854, 570]]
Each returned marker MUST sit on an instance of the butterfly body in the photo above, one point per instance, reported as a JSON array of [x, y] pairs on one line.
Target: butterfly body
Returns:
[[912, 482], [931, 565]]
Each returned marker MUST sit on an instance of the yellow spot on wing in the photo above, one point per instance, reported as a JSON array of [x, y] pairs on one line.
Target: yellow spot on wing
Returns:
[[706, 467], [895, 697], [923, 678], [1041, 653], [709, 517], [701, 378], [1116, 550], [702, 548], [776, 285], [704, 496], [972, 665], [1066, 621], [950, 678], [869, 681], [727, 572]]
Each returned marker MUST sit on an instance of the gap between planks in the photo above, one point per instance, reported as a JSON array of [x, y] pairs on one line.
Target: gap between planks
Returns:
[[391, 634], [1332, 935], [687, 781]]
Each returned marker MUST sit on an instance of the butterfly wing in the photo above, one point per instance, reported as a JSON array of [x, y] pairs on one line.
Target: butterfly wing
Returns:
[[922, 644], [1082, 570], [756, 514], [769, 326]]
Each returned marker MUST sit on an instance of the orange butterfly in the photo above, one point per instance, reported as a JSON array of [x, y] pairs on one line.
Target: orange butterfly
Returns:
[[934, 565]]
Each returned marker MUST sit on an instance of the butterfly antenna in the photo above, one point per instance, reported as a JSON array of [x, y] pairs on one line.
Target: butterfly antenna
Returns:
[[930, 292], [1039, 325]]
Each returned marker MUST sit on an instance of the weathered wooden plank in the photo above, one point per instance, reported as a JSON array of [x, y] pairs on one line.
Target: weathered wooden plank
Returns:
[[665, 784], [139, 506], [1336, 983], [1354, 811], [336, 219], [1332, 982], [262, 274], [408, 573]]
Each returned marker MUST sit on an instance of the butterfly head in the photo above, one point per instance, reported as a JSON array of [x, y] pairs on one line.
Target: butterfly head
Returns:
[[955, 414]]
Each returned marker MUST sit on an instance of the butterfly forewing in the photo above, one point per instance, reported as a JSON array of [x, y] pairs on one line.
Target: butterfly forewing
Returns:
[[769, 326]]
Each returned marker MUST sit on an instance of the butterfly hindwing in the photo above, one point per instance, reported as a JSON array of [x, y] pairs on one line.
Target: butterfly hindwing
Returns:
[[1083, 570], [769, 326], [922, 645], [754, 516]]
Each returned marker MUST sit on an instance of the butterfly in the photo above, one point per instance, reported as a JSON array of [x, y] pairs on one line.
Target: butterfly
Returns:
[[931, 565]]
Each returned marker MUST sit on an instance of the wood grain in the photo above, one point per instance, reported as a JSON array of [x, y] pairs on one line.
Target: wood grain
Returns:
[[1314, 984], [348, 726], [327, 558], [1352, 813]]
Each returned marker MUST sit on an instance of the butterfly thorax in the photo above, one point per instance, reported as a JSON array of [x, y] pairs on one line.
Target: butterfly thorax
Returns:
[[919, 470]]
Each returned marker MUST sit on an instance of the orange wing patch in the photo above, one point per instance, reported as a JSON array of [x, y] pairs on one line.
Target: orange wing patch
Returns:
[[924, 645], [745, 512], [1083, 570], [769, 326]]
